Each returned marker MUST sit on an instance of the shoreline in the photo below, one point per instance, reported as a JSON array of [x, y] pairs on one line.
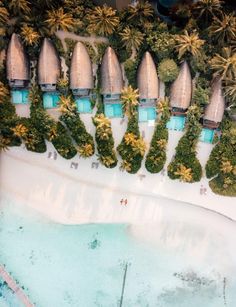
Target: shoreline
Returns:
[[79, 191]]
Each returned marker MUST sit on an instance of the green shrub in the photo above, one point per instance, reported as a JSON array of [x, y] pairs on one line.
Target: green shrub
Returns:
[[156, 156], [131, 67], [104, 138], [105, 141], [185, 166], [71, 118], [161, 42], [222, 162], [8, 119], [168, 70], [132, 147], [50, 129], [30, 136], [201, 96]]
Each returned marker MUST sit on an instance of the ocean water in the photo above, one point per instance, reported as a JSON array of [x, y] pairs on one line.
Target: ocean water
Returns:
[[84, 265]]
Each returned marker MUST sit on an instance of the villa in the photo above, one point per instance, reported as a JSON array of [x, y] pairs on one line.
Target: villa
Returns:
[[148, 86], [81, 78], [214, 112], [18, 75], [117, 153], [49, 70], [111, 84], [180, 97]]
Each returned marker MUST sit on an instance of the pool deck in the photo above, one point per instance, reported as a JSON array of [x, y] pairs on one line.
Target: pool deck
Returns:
[[15, 288]]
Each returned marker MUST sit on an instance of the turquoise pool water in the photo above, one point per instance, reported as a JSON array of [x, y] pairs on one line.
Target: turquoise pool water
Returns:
[[146, 114], [84, 265], [84, 105], [50, 100], [207, 135], [176, 123], [20, 96], [113, 110]]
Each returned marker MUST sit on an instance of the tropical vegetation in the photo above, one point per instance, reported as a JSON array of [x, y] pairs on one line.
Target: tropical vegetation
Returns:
[[185, 165], [71, 118], [156, 156], [132, 147], [221, 166], [203, 33]]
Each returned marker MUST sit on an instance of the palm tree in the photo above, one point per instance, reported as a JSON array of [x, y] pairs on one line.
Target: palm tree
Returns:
[[19, 7], [140, 12], [207, 9], [223, 29], [102, 20], [129, 97], [103, 126], [4, 15], [230, 90], [37, 21], [132, 39], [20, 130], [189, 43], [226, 167], [59, 20], [224, 65], [184, 173], [4, 92], [67, 105], [29, 35], [4, 142]]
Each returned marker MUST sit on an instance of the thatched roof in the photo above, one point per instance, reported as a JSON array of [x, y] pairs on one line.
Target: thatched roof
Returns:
[[81, 73], [181, 89], [48, 64], [17, 61], [147, 78], [111, 74], [215, 109]]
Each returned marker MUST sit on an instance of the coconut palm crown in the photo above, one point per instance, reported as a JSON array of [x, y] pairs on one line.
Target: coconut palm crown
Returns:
[[102, 20], [189, 43]]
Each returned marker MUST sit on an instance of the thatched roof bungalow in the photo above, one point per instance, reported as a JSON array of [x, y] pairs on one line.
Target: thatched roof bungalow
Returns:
[[81, 73], [214, 111], [148, 81], [111, 84], [49, 67], [181, 90], [111, 75], [17, 64]]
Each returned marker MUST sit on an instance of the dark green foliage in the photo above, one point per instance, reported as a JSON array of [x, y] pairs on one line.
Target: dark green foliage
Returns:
[[104, 138], [185, 165], [168, 70], [161, 42], [132, 147], [63, 143], [33, 139], [222, 162], [131, 67], [51, 130], [201, 95], [156, 156], [78, 132], [7, 120]]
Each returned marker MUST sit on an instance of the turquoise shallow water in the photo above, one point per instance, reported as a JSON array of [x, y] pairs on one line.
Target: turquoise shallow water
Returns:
[[84, 266]]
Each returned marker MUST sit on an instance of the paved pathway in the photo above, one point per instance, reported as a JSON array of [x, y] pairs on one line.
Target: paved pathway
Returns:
[[15, 288], [62, 35]]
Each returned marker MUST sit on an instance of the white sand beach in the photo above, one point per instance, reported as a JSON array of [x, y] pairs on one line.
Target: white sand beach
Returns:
[[80, 191]]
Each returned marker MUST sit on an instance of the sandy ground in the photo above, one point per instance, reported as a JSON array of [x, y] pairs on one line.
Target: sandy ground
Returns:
[[83, 191]]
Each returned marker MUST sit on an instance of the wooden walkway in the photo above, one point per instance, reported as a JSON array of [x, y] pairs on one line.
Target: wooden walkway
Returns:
[[15, 288]]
